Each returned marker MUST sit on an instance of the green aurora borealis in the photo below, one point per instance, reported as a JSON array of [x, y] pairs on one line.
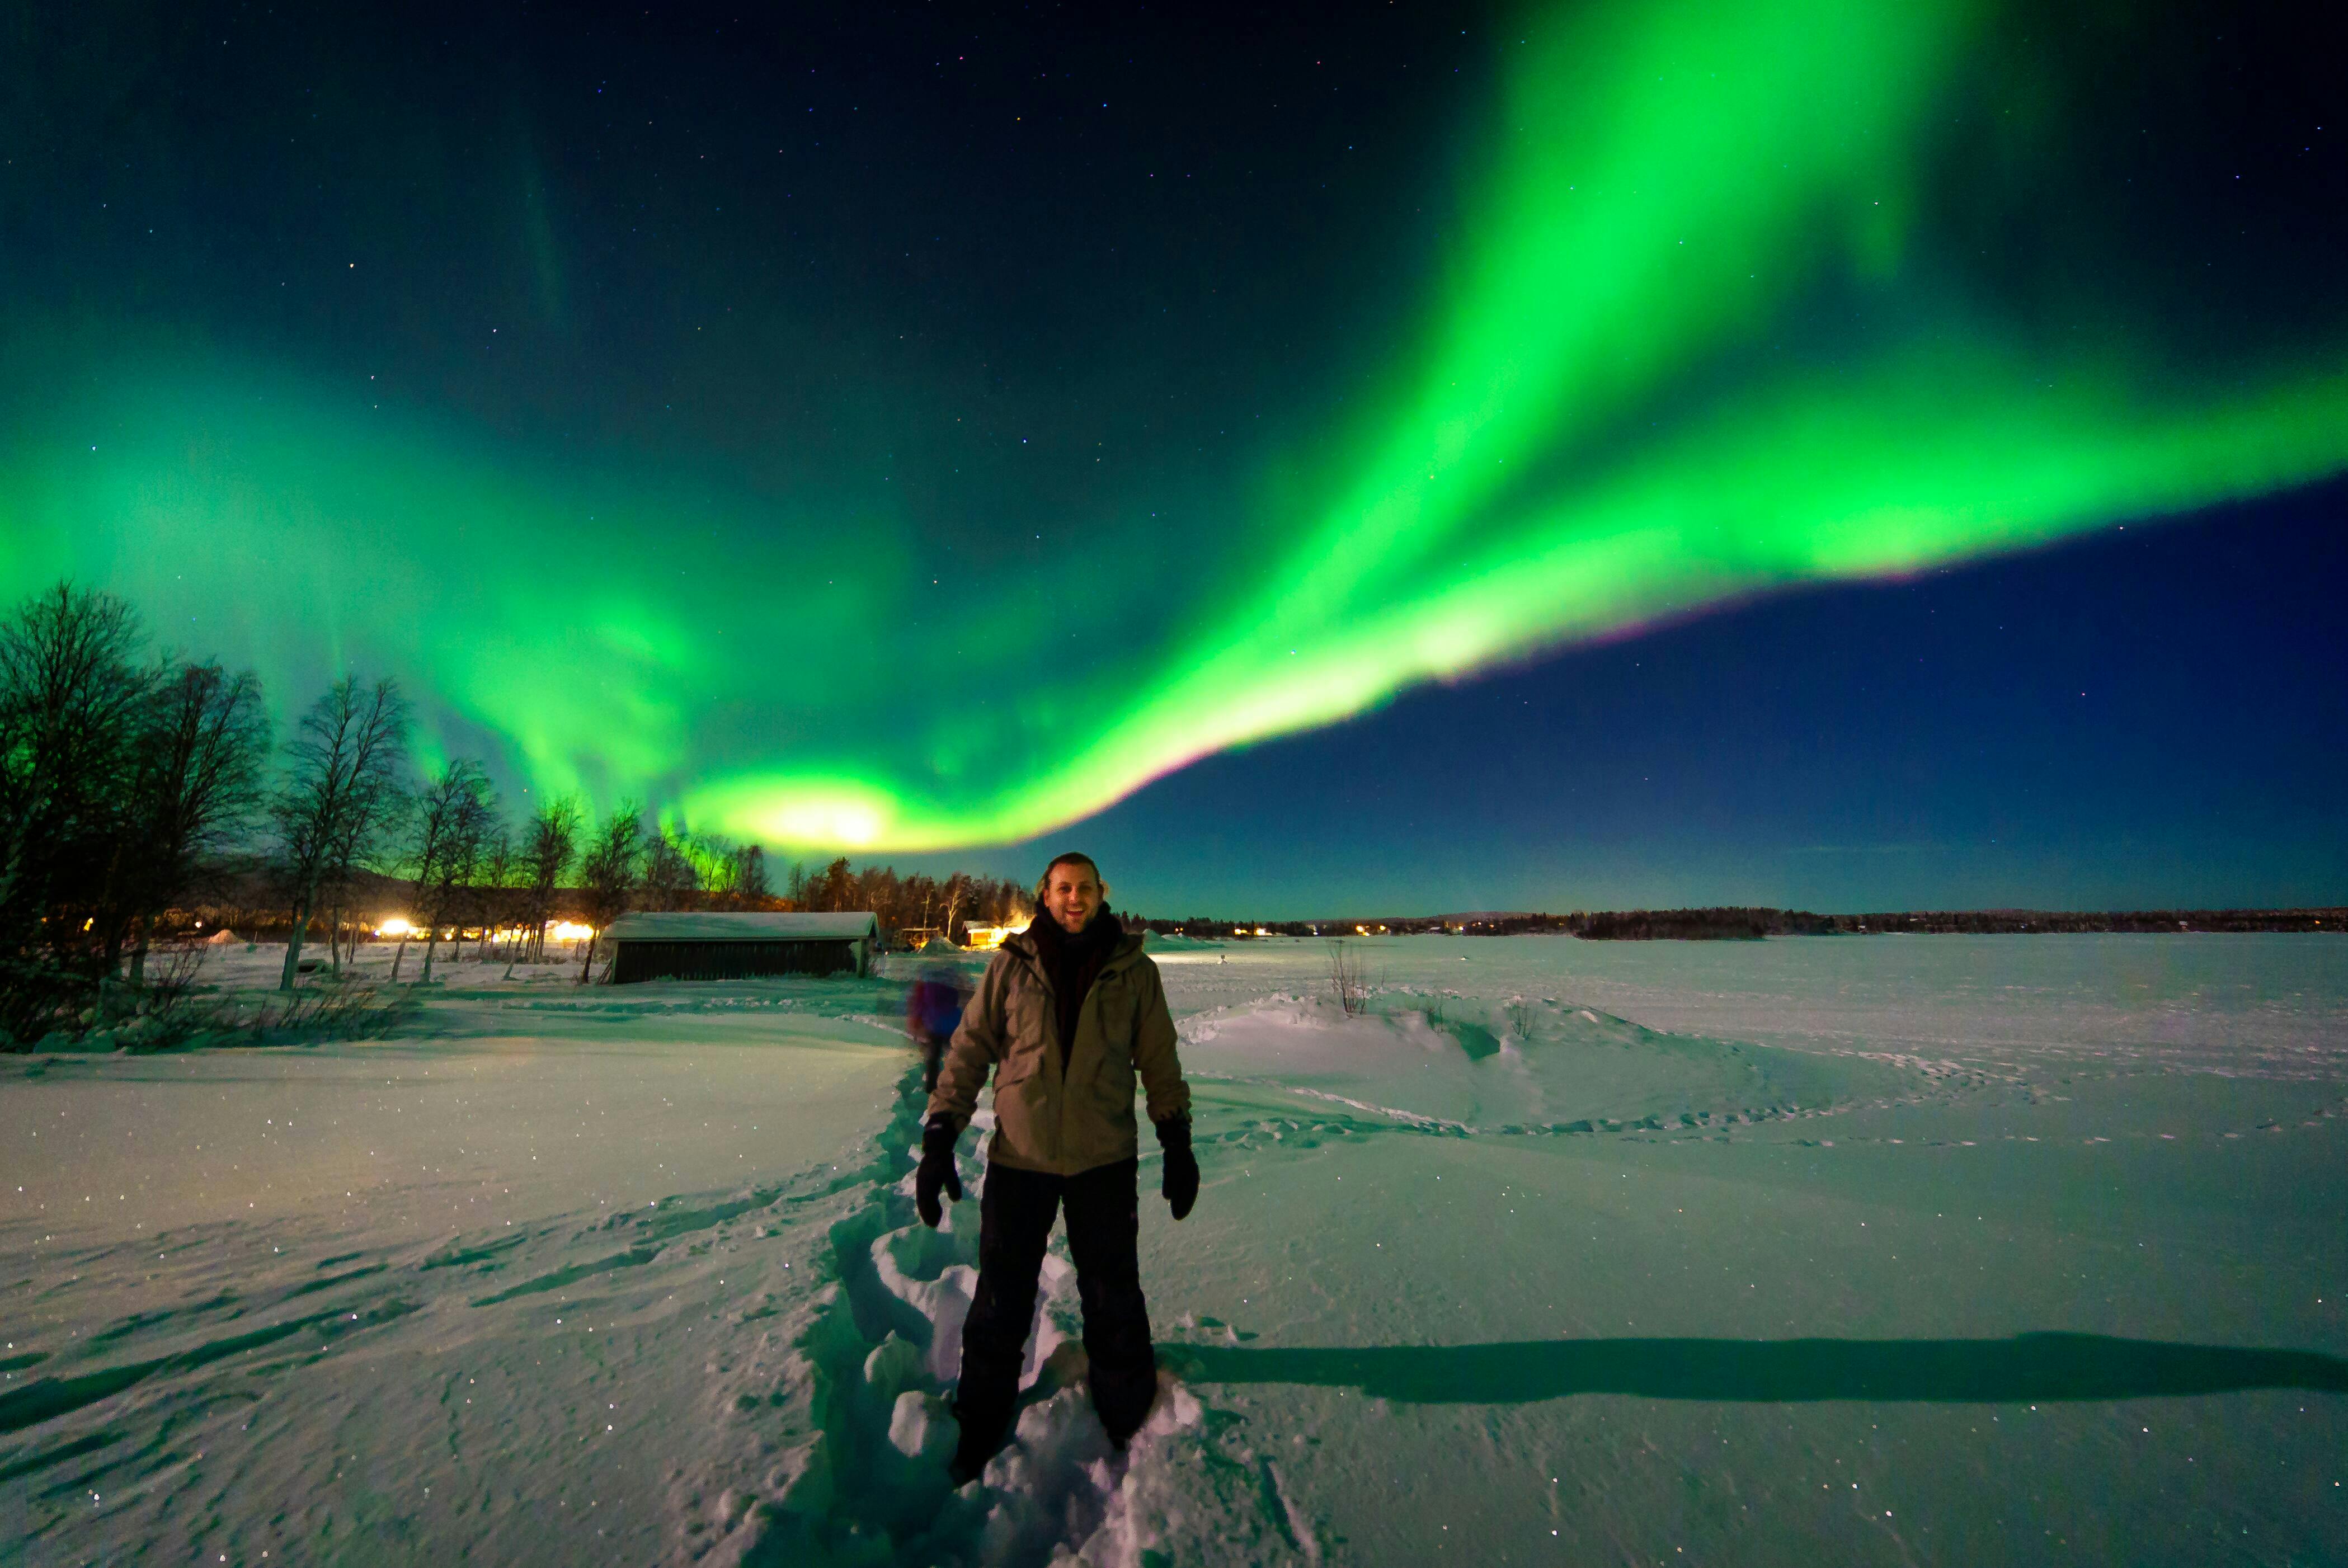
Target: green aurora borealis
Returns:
[[1729, 308]]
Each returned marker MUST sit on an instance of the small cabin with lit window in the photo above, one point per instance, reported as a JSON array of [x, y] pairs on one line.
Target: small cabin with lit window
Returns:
[[692, 946]]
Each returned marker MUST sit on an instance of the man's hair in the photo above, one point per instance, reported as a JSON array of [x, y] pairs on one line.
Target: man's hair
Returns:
[[1071, 857]]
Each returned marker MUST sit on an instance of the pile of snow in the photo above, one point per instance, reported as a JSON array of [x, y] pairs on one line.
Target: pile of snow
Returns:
[[1518, 1065], [1175, 941]]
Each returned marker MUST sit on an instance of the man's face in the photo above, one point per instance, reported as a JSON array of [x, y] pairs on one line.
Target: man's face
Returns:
[[1072, 896]]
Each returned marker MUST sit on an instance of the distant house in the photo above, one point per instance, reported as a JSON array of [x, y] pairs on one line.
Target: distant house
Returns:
[[738, 946]]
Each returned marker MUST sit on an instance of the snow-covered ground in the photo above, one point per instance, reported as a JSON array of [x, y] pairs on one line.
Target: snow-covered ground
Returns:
[[1896, 1250]]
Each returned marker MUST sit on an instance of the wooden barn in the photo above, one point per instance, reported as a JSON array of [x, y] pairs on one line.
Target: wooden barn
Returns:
[[739, 947]]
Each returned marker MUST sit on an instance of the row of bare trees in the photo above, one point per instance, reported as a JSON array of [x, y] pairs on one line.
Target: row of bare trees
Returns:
[[123, 775], [135, 783], [465, 866], [950, 903]]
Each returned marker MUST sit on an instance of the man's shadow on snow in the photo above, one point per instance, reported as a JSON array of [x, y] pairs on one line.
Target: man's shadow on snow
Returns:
[[2029, 1366]]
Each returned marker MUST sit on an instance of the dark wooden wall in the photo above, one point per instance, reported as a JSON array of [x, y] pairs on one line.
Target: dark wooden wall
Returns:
[[640, 960]]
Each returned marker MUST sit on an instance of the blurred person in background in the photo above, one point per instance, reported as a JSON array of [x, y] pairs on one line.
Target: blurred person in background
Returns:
[[933, 1006]]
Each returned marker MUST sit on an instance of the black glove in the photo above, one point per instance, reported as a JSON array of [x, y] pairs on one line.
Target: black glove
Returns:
[[1181, 1188], [937, 1170]]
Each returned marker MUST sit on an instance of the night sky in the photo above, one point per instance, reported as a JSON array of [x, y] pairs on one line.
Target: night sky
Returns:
[[1400, 458]]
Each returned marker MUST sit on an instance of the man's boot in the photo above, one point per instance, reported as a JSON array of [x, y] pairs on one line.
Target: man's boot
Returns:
[[984, 1425]]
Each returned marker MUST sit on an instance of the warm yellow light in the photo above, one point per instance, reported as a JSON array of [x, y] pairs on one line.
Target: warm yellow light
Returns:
[[569, 931], [396, 926]]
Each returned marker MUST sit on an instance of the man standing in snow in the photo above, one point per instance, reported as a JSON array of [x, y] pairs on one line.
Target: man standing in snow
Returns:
[[1068, 1013]]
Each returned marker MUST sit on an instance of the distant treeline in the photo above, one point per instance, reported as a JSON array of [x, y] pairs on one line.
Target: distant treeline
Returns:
[[2011, 921], [1753, 923]]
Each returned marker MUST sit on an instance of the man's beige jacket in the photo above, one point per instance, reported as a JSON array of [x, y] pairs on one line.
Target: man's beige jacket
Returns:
[[1047, 1119]]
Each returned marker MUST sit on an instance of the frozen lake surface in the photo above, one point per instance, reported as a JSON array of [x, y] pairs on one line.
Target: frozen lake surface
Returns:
[[1882, 1250]]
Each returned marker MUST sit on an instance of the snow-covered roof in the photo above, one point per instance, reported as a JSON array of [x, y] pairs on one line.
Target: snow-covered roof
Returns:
[[845, 926]]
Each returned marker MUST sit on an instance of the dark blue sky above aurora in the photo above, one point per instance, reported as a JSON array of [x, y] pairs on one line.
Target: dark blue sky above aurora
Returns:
[[2151, 718], [981, 363]]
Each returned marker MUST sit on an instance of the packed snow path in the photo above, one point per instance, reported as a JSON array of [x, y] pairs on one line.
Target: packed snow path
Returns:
[[871, 1485]]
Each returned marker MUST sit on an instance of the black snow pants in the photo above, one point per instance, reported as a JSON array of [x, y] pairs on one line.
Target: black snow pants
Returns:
[[1015, 1216]]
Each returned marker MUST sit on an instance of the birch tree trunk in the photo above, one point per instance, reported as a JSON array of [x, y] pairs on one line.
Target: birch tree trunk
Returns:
[[293, 940], [139, 954]]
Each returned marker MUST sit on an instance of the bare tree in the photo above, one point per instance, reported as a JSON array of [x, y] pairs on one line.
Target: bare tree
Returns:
[[1346, 981], [70, 696], [450, 895], [951, 897], [921, 896], [198, 784], [733, 876], [547, 853], [368, 841], [670, 878], [876, 888], [432, 824], [498, 859], [346, 758], [832, 887], [719, 860], [749, 875], [608, 875]]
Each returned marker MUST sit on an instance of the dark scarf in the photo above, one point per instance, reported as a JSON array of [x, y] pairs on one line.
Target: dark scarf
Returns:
[[1073, 963]]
